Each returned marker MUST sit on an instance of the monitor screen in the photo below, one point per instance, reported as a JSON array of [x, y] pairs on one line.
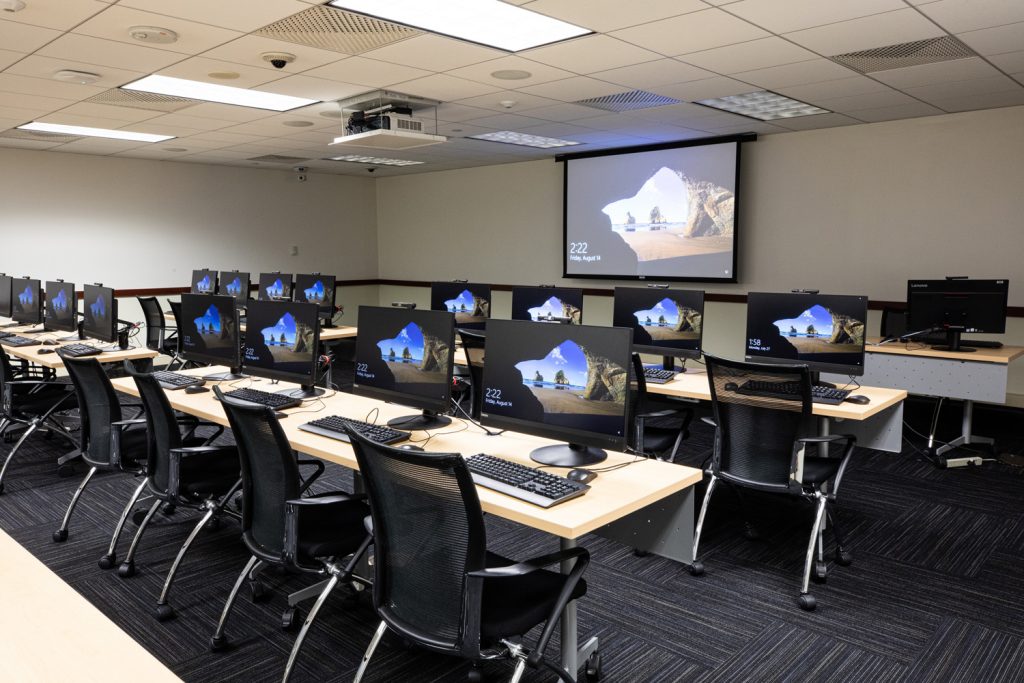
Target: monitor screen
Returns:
[[471, 303], [209, 329], [666, 213], [568, 383], [822, 331], [5, 296], [99, 317], [964, 305], [548, 304], [61, 306], [405, 356], [204, 282], [275, 287], [26, 300], [282, 339], [316, 289], [234, 284], [668, 322]]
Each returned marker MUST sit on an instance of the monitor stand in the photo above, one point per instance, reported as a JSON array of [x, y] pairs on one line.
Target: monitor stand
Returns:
[[953, 343], [230, 375], [428, 419], [327, 322], [669, 363], [568, 455], [305, 391]]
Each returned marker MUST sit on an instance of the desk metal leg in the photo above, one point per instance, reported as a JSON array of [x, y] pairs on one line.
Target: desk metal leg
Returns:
[[572, 655], [966, 438]]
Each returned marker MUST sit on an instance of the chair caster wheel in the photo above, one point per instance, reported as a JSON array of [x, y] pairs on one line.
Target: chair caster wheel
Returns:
[[258, 591], [820, 573], [593, 668], [750, 532], [290, 619], [138, 516], [807, 602], [844, 558], [126, 570], [108, 561], [218, 644], [696, 569], [60, 535], [164, 612], [640, 553]]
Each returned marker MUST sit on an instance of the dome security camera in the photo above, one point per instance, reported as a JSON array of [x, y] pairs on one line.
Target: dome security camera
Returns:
[[278, 59]]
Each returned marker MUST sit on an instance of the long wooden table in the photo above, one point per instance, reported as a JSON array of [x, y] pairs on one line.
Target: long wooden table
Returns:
[[53, 361], [327, 334], [648, 505]]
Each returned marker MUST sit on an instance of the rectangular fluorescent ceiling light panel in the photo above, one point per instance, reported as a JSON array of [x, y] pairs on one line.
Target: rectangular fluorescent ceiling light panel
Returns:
[[223, 94], [763, 105], [375, 161], [487, 22], [94, 132], [511, 137]]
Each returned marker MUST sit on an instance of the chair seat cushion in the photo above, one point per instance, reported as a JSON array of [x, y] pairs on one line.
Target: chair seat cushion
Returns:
[[334, 530], [658, 439], [512, 606], [205, 474], [818, 470], [38, 402]]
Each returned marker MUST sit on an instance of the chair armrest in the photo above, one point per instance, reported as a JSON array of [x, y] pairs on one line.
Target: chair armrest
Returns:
[[308, 481], [292, 510], [710, 421], [187, 451], [657, 413], [368, 524], [828, 438], [129, 423], [334, 499], [531, 565]]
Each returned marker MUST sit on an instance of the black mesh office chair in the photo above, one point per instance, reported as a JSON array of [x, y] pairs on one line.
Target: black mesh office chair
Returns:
[[762, 442], [158, 338], [435, 583], [280, 527], [473, 346], [656, 433], [202, 477], [32, 404], [107, 441], [176, 358]]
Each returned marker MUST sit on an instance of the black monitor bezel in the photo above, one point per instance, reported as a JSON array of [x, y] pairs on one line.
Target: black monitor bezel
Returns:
[[48, 319], [305, 380], [501, 333], [553, 290], [813, 366], [200, 357], [652, 349], [206, 271], [325, 309], [915, 288], [244, 295], [35, 285], [6, 312], [261, 291], [437, 303], [102, 335]]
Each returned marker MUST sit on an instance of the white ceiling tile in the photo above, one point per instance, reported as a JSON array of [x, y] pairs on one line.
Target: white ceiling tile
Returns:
[[1010, 98], [46, 87], [200, 68], [957, 16], [27, 144], [313, 88], [981, 86], [692, 32], [539, 73], [942, 72], [557, 130], [817, 121], [368, 72], [444, 88], [800, 73], [248, 50], [520, 102], [455, 112], [196, 122], [67, 118], [992, 41], [871, 100], [590, 53], [783, 16], [903, 111], [45, 67], [155, 126], [755, 54], [240, 15], [33, 102], [565, 112], [572, 89], [435, 53], [877, 30], [719, 86], [506, 121], [220, 137], [653, 74], [8, 57], [57, 14], [673, 113], [608, 15], [226, 112], [1010, 62], [844, 87], [99, 146], [25, 38], [109, 53], [193, 38], [109, 112], [22, 114]]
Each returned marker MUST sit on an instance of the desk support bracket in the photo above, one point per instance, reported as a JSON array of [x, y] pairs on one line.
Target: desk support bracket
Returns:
[[966, 438]]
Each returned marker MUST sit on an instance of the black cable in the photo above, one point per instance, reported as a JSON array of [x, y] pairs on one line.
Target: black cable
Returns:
[[424, 442], [469, 417], [375, 412]]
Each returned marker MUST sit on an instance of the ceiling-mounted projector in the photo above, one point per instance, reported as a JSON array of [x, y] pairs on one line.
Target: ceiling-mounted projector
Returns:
[[385, 120]]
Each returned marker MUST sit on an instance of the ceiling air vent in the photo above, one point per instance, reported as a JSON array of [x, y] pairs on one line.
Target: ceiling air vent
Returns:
[[332, 29], [930, 51], [39, 136], [142, 100], [627, 101], [278, 159]]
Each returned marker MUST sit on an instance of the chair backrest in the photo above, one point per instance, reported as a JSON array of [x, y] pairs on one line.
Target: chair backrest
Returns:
[[163, 433], [6, 375], [270, 475], [754, 442], [154, 322], [637, 396], [98, 406], [894, 322], [473, 346], [176, 310], [428, 532]]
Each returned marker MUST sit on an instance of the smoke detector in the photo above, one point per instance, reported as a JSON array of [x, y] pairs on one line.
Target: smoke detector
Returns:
[[80, 77], [11, 5], [153, 35]]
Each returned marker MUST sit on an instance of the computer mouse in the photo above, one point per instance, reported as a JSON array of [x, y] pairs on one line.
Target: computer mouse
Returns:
[[858, 399], [582, 476], [410, 447], [43, 352], [50, 342], [196, 390]]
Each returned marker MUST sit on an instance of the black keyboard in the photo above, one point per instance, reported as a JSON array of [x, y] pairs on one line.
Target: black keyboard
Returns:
[[333, 427], [942, 340], [15, 340], [176, 380], [5, 335], [790, 391], [264, 398], [658, 375], [522, 482], [79, 350]]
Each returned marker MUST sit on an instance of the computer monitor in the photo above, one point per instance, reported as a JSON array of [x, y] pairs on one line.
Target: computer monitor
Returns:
[[5, 296], [563, 382], [405, 356], [548, 304], [204, 281], [282, 342], [61, 307], [26, 301], [823, 331], [957, 305], [666, 322], [99, 317], [275, 287], [209, 333], [316, 289], [235, 284], [470, 303]]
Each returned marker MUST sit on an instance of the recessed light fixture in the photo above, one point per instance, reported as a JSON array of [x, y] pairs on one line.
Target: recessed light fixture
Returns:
[[375, 161], [488, 22], [11, 5], [95, 132], [511, 137], [80, 77], [298, 124], [211, 92], [154, 35], [510, 74], [224, 75], [763, 105]]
